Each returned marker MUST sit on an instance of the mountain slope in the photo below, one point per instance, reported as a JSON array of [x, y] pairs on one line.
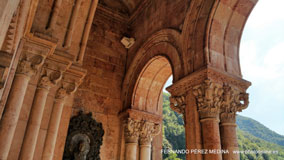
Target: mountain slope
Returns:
[[251, 136], [259, 130]]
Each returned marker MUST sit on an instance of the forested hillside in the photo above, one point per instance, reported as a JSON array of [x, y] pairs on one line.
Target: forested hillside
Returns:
[[257, 129], [251, 134]]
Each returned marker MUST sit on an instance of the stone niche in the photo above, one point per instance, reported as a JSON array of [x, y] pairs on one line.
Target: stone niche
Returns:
[[84, 139]]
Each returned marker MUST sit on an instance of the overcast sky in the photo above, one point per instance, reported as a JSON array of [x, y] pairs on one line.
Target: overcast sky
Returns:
[[262, 63]]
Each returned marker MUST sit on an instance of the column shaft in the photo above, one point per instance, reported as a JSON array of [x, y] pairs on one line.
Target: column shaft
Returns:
[[229, 140], [145, 151], [11, 114], [211, 138], [130, 151], [34, 123], [53, 127]]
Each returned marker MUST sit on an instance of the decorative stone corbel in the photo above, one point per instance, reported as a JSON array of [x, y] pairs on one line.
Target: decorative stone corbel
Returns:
[[177, 103]]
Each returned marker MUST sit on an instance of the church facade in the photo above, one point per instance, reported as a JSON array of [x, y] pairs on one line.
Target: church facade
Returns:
[[83, 79]]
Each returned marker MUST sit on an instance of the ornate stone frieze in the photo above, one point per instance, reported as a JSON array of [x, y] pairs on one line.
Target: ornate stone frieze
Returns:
[[177, 103], [148, 131], [233, 101], [209, 98]]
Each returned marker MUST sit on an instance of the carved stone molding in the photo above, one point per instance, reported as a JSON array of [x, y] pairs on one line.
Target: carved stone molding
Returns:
[[177, 104], [141, 115], [209, 98], [84, 139]]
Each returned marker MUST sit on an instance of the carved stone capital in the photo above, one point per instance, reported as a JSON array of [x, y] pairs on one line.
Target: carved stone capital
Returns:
[[177, 103], [148, 131], [30, 65], [60, 94], [209, 98], [131, 130], [234, 101], [187, 83], [49, 79]]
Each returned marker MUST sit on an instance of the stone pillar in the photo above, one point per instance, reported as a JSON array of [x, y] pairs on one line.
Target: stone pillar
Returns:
[[26, 68], [148, 131], [46, 82], [131, 134], [209, 98], [53, 127], [231, 104]]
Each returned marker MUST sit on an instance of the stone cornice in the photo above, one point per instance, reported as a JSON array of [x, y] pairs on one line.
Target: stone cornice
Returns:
[[141, 115], [187, 83]]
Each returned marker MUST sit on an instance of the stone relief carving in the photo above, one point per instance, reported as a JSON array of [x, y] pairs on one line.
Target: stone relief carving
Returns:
[[84, 138]]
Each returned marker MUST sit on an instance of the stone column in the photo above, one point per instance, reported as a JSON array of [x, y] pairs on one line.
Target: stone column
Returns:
[[209, 98], [54, 123], [33, 127], [148, 131], [131, 135], [231, 104], [27, 67]]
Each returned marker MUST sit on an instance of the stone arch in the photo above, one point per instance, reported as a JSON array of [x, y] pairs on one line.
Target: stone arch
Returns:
[[162, 46], [148, 88], [211, 34]]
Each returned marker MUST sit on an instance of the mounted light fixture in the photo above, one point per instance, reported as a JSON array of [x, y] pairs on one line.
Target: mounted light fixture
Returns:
[[127, 42]]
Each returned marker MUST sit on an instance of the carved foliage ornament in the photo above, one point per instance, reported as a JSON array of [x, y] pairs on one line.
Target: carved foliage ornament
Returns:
[[84, 139]]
